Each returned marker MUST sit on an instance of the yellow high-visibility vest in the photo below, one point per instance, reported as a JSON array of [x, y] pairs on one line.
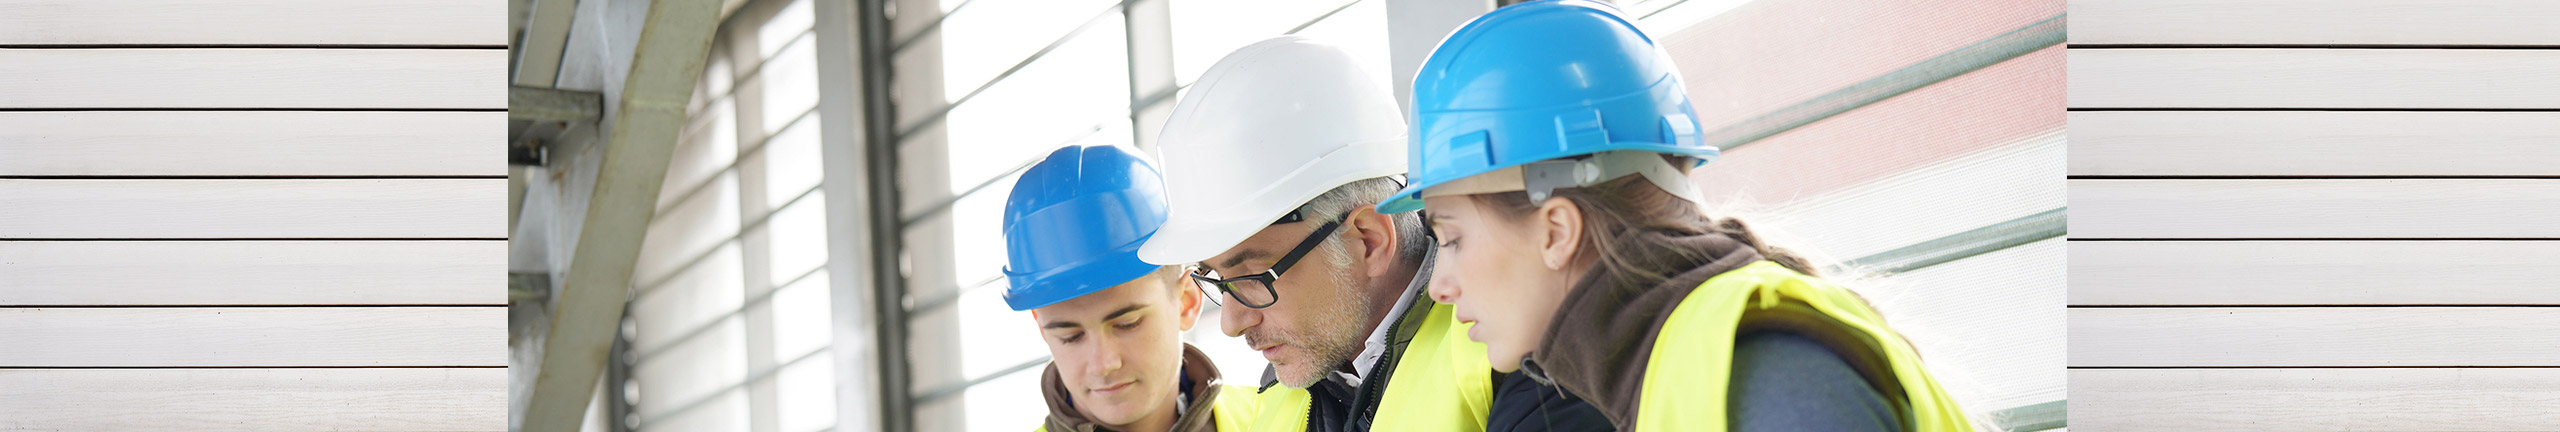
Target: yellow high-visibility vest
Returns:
[[1686, 378], [1442, 382]]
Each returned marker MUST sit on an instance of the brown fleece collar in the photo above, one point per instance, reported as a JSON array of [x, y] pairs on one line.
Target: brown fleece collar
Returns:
[[1602, 335]]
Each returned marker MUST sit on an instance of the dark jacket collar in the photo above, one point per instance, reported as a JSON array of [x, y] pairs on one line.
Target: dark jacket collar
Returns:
[[1602, 335]]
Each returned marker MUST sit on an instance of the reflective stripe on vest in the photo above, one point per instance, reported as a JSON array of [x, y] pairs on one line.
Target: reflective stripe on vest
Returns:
[[1685, 379]]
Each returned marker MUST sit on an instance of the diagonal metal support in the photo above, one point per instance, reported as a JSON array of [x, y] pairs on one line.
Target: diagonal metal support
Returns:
[[553, 105], [673, 43]]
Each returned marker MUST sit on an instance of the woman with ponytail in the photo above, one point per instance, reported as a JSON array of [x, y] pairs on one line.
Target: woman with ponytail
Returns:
[[1552, 142]]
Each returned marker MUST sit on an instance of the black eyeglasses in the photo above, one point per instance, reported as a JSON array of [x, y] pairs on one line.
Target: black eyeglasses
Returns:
[[1254, 290]]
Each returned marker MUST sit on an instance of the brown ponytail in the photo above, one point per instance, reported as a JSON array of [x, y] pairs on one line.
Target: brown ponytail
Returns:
[[1631, 203]]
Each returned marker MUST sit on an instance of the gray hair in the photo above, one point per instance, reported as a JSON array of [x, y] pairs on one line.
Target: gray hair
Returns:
[[1333, 204]]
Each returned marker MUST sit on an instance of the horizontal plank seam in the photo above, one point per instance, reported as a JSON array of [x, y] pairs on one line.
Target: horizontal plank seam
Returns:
[[2302, 109], [2318, 46], [252, 46]]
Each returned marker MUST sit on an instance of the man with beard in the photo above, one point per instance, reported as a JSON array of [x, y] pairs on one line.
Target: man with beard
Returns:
[[1273, 164]]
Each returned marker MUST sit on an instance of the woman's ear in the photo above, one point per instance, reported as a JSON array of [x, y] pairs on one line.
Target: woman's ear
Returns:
[[1562, 225]]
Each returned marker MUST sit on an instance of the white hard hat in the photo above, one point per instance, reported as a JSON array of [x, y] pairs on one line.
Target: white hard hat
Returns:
[[1272, 125]]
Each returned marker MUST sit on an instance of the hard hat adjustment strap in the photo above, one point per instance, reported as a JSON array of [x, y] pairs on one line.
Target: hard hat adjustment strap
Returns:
[[1540, 179]]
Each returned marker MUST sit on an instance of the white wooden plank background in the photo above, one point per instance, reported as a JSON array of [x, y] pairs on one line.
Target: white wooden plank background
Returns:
[[252, 22], [2446, 399], [2314, 78], [253, 78], [2318, 143], [285, 336], [2368, 208], [376, 208], [252, 272], [252, 143], [2315, 272], [2316, 336], [361, 399], [2328, 22]]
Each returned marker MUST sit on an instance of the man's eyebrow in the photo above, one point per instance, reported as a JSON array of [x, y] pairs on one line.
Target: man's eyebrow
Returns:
[[1232, 262], [1114, 315]]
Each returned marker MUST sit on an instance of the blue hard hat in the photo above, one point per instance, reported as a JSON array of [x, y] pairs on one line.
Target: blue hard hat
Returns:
[[1538, 81], [1074, 221]]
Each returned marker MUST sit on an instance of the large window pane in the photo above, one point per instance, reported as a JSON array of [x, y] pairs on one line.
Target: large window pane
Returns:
[[798, 237], [1008, 404], [806, 394], [1360, 29], [800, 312], [993, 35], [708, 145], [692, 299], [791, 164], [1078, 93], [1206, 30], [689, 229], [790, 85], [787, 24]]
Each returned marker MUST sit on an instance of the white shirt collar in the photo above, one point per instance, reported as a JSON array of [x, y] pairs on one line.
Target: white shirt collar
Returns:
[[1376, 347]]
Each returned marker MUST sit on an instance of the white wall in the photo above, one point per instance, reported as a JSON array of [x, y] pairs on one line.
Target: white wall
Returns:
[[185, 243], [2315, 215]]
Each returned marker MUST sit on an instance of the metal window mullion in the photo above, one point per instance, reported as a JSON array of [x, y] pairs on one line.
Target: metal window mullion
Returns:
[[752, 377], [754, 147], [652, 287], [948, 390], [940, 205], [756, 69], [1320, 18], [944, 111], [939, 301], [2048, 224], [753, 301], [910, 39], [1996, 49]]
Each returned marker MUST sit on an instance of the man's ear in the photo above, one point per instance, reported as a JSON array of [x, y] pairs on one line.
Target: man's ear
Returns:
[[1190, 303], [1377, 238], [1561, 223]]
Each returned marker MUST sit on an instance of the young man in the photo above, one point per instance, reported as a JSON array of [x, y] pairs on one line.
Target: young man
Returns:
[[1113, 323], [1274, 161]]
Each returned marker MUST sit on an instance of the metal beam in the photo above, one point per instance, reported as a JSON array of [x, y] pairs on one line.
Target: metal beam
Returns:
[[546, 34], [1986, 239], [668, 61], [544, 104], [875, 53], [1150, 36], [842, 141]]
